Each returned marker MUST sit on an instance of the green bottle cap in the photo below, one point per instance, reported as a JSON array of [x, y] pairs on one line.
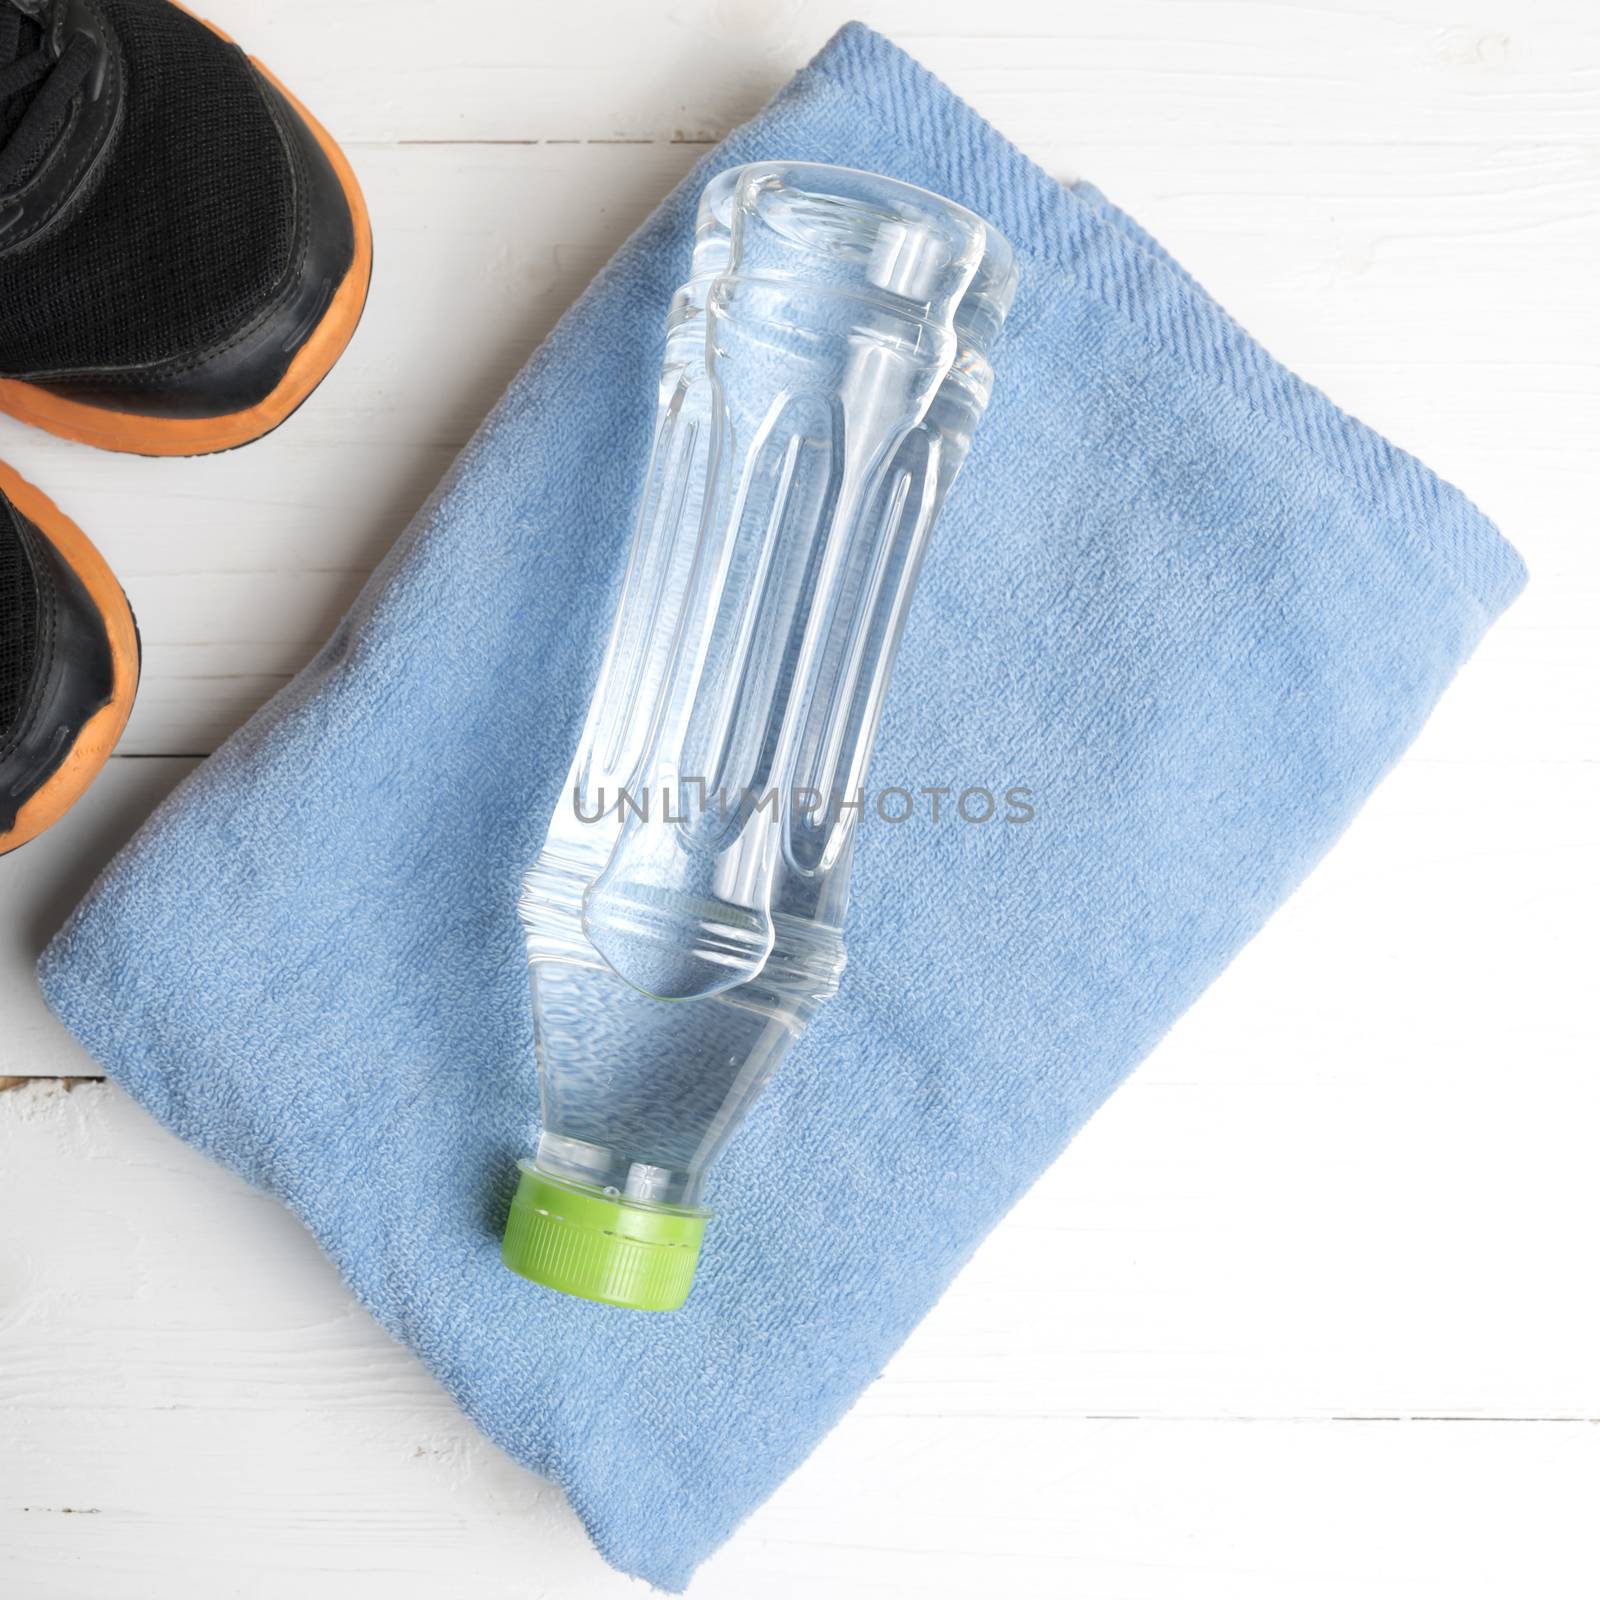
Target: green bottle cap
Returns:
[[585, 1242]]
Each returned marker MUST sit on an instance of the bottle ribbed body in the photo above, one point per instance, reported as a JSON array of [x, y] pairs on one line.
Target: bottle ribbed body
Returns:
[[825, 367]]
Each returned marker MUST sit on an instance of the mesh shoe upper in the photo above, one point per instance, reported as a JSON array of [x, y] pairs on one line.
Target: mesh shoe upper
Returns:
[[191, 229], [19, 624]]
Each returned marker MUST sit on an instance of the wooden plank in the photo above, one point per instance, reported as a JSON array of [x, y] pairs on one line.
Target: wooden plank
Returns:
[[309, 1499], [1342, 71]]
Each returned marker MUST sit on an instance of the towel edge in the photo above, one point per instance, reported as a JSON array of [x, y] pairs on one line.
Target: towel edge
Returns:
[[1073, 228]]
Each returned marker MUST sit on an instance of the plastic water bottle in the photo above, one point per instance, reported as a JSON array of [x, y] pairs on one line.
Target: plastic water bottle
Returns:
[[826, 365]]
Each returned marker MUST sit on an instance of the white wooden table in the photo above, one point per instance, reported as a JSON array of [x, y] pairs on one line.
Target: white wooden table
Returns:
[[1326, 1319]]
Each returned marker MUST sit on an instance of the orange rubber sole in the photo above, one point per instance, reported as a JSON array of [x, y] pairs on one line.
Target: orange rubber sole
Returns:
[[199, 436], [98, 736]]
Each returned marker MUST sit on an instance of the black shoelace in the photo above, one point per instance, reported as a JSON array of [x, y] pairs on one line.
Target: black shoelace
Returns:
[[36, 90]]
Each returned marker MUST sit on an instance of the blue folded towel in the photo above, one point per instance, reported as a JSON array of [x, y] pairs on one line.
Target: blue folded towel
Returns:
[[1177, 594]]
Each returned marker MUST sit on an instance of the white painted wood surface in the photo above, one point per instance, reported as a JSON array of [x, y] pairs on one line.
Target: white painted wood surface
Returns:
[[1325, 1319]]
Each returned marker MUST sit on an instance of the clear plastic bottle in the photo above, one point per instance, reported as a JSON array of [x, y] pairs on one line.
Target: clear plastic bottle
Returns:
[[826, 365]]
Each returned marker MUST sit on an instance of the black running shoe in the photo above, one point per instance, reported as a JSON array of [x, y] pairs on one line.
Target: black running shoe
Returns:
[[184, 252], [69, 662]]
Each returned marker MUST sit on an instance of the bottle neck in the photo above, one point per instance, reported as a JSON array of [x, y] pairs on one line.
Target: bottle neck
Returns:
[[614, 1175]]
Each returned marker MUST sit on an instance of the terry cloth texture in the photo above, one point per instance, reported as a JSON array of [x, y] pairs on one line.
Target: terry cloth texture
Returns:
[[190, 229], [1191, 605]]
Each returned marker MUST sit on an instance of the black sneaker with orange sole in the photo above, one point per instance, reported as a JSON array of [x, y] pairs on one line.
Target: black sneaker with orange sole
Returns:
[[69, 662], [184, 252]]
